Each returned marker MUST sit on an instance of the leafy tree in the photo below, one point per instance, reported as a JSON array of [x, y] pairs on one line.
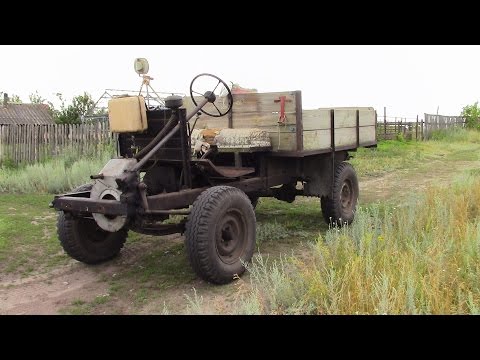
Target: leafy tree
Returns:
[[472, 116], [73, 114], [83, 104]]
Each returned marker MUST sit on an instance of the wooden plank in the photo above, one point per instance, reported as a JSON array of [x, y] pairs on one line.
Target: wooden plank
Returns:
[[17, 148], [242, 103], [344, 117], [283, 141], [31, 153], [1, 143], [320, 139], [12, 143], [205, 121], [22, 143], [9, 140], [299, 120], [256, 103], [263, 121], [263, 102], [208, 122], [36, 133]]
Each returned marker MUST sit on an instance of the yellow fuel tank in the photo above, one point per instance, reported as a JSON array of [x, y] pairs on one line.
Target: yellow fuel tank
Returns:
[[127, 114]]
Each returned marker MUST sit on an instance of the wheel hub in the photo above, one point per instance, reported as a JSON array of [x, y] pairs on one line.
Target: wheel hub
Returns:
[[106, 188], [346, 195], [231, 236], [109, 223]]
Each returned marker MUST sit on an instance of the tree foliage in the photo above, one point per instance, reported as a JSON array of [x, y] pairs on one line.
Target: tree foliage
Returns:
[[12, 98], [36, 98], [15, 99], [73, 113], [472, 116]]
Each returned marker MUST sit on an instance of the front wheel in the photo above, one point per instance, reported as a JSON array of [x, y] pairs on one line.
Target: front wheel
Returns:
[[220, 234], [339, 208], [84, 240]]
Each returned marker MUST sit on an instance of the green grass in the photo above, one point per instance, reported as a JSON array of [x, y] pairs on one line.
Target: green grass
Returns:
[[81, 307], [28, 238], [391, 155], [56, 175]]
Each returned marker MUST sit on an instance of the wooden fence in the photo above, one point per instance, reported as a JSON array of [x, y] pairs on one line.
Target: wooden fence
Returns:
[[438, 122], [34, 143], [391, 129]]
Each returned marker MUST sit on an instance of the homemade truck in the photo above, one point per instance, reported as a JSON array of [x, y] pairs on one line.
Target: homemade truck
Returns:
[[207, 158]]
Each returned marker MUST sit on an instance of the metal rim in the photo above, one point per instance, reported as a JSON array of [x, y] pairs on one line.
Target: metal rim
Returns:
[[231, 236], [347, 196]]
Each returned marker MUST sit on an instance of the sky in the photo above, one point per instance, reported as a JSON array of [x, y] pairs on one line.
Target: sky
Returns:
[[407, 80]]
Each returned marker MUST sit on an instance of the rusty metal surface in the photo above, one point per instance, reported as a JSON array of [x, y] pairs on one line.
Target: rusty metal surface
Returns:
[[306, 153], [184, 198], [161, 230], [86, 205], [223, 171], [175, 200]]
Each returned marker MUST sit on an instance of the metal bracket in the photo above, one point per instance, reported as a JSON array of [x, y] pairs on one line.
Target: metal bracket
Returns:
[[282, 100]]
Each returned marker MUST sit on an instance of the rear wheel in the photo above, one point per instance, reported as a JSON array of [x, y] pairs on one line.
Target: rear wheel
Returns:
[[220, 234], [84, 240], [340, 208]]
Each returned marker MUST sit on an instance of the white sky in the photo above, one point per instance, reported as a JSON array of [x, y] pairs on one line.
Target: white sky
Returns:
[[408, 80]]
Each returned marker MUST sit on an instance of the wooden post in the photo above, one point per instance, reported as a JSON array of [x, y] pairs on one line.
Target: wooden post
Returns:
[[384, 123], [416, 130]]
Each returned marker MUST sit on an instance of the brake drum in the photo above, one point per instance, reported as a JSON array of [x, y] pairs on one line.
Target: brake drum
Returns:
[[107, 189]]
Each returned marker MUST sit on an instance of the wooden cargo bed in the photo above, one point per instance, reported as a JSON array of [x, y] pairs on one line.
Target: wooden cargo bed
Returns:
[[303, 132]]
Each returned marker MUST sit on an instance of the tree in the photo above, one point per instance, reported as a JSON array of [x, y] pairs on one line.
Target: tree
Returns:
[[36, 98], [73, 113], [83, 103], [472, 116]]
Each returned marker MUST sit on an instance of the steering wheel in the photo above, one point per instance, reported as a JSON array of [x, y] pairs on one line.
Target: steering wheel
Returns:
[[223, 99]]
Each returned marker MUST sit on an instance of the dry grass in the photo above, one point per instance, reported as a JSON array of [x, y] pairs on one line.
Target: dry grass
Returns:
[[423, 258]]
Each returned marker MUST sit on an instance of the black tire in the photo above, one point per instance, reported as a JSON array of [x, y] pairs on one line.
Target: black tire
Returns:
[[84, 240], [220, 234], [341, 208]]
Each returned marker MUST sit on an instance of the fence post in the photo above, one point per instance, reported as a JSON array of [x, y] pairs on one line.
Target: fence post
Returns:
[[385, 122], [416, 130]]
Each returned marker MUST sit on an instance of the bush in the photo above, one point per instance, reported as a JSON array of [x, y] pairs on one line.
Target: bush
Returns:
[[472, 116]]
